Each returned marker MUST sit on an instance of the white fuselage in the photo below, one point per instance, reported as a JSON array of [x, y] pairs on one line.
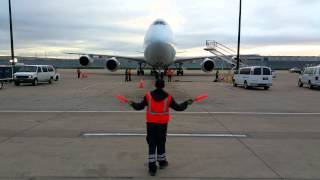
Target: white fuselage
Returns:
[[159, 45]]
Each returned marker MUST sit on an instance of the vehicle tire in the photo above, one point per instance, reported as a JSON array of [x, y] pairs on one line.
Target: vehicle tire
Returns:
[[16, 83], [310, 85], [50, 80], [181, 73], [35, 82], [1, 85], [57, 78], [142, 73], [245, 84], [300, 84], [266, 87], [234, 83]]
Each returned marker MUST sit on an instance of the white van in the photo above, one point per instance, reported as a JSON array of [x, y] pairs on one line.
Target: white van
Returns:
[[310, 76], [253, 76], [34, 74]]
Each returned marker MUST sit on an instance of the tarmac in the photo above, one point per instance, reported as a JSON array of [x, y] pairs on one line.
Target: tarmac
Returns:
[[45, 130]]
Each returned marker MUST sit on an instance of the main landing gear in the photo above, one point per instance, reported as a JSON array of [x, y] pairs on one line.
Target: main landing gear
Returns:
[[180, 70], [140, 70]]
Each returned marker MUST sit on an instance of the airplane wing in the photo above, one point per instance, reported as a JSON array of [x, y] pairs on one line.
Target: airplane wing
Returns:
[[138, 59], [181, 60]]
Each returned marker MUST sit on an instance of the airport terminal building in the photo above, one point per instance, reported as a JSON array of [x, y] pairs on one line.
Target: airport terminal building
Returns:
[[282, 62], [275, 62]]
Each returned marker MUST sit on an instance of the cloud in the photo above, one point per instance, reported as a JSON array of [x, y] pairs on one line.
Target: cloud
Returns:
[[119, 26]]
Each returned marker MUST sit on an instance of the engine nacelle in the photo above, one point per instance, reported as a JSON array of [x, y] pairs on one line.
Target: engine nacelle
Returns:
[[112, 64], [86, 60], [207, 65]]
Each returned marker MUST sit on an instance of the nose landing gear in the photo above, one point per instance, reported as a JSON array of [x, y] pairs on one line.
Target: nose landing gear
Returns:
[[140, 70]]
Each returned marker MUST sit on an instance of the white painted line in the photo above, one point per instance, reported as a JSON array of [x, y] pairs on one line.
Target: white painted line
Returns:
[[170, 134], [188, 112], [80, 111]]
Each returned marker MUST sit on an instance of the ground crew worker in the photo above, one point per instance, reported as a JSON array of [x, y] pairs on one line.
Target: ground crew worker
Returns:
[[78, 72], [157, 115], [217, 76], [129, 74], [169, 74], [161, 75]]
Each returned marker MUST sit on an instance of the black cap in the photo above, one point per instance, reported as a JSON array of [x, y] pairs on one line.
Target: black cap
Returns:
[[159, 83]]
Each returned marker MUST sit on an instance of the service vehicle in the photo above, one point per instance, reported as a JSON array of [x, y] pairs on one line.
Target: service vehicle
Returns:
[[295, 70], [34, 74], [6, 74], [310, 77], [253, 76]]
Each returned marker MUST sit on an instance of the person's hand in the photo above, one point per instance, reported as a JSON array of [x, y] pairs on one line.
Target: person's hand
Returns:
[[190, 101], [130, 102]]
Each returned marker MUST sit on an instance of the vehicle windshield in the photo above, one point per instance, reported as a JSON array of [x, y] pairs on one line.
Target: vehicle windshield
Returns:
[[28, 69]]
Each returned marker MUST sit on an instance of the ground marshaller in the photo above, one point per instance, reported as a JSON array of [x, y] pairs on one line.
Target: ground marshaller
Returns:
[[158, 103]]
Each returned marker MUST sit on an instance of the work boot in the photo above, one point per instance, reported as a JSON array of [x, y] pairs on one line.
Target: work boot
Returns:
[[152, 169], [163, 164]]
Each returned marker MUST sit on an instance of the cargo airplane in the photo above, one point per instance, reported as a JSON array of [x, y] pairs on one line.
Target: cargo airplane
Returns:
[[159, 53]]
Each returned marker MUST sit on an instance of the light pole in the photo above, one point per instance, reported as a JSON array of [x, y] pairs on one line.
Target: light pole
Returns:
[[11, 34], [239, 35]]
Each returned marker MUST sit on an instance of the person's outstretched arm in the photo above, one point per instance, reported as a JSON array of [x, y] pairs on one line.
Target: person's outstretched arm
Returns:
[[180, 107], [139, 106]]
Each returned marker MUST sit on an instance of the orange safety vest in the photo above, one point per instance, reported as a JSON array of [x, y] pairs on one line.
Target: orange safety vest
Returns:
[[158, 111]]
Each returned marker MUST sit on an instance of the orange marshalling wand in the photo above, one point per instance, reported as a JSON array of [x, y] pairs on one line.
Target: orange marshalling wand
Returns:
[[122, 99], [201, 97]]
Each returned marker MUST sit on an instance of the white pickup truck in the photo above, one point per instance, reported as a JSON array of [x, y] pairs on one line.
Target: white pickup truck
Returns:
[[34, 74]]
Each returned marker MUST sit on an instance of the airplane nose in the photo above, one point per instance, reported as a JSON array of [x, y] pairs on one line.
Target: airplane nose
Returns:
[[160, 53], [160, 48], [158, 45]]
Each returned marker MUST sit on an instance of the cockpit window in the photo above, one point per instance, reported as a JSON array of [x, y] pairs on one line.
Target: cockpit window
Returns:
[[159, 22]]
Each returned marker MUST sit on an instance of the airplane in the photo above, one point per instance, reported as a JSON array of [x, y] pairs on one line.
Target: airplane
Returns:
[[159, 53]]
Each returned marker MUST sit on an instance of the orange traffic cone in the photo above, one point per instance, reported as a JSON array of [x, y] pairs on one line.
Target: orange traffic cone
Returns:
[[84, 75], [141, 84]]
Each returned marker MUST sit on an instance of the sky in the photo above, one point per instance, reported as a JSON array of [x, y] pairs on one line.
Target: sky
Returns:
[[269, 27]]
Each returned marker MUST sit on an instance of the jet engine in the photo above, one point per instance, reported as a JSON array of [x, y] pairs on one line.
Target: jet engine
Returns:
[[112, 64], [86, 60], [207, 65]]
